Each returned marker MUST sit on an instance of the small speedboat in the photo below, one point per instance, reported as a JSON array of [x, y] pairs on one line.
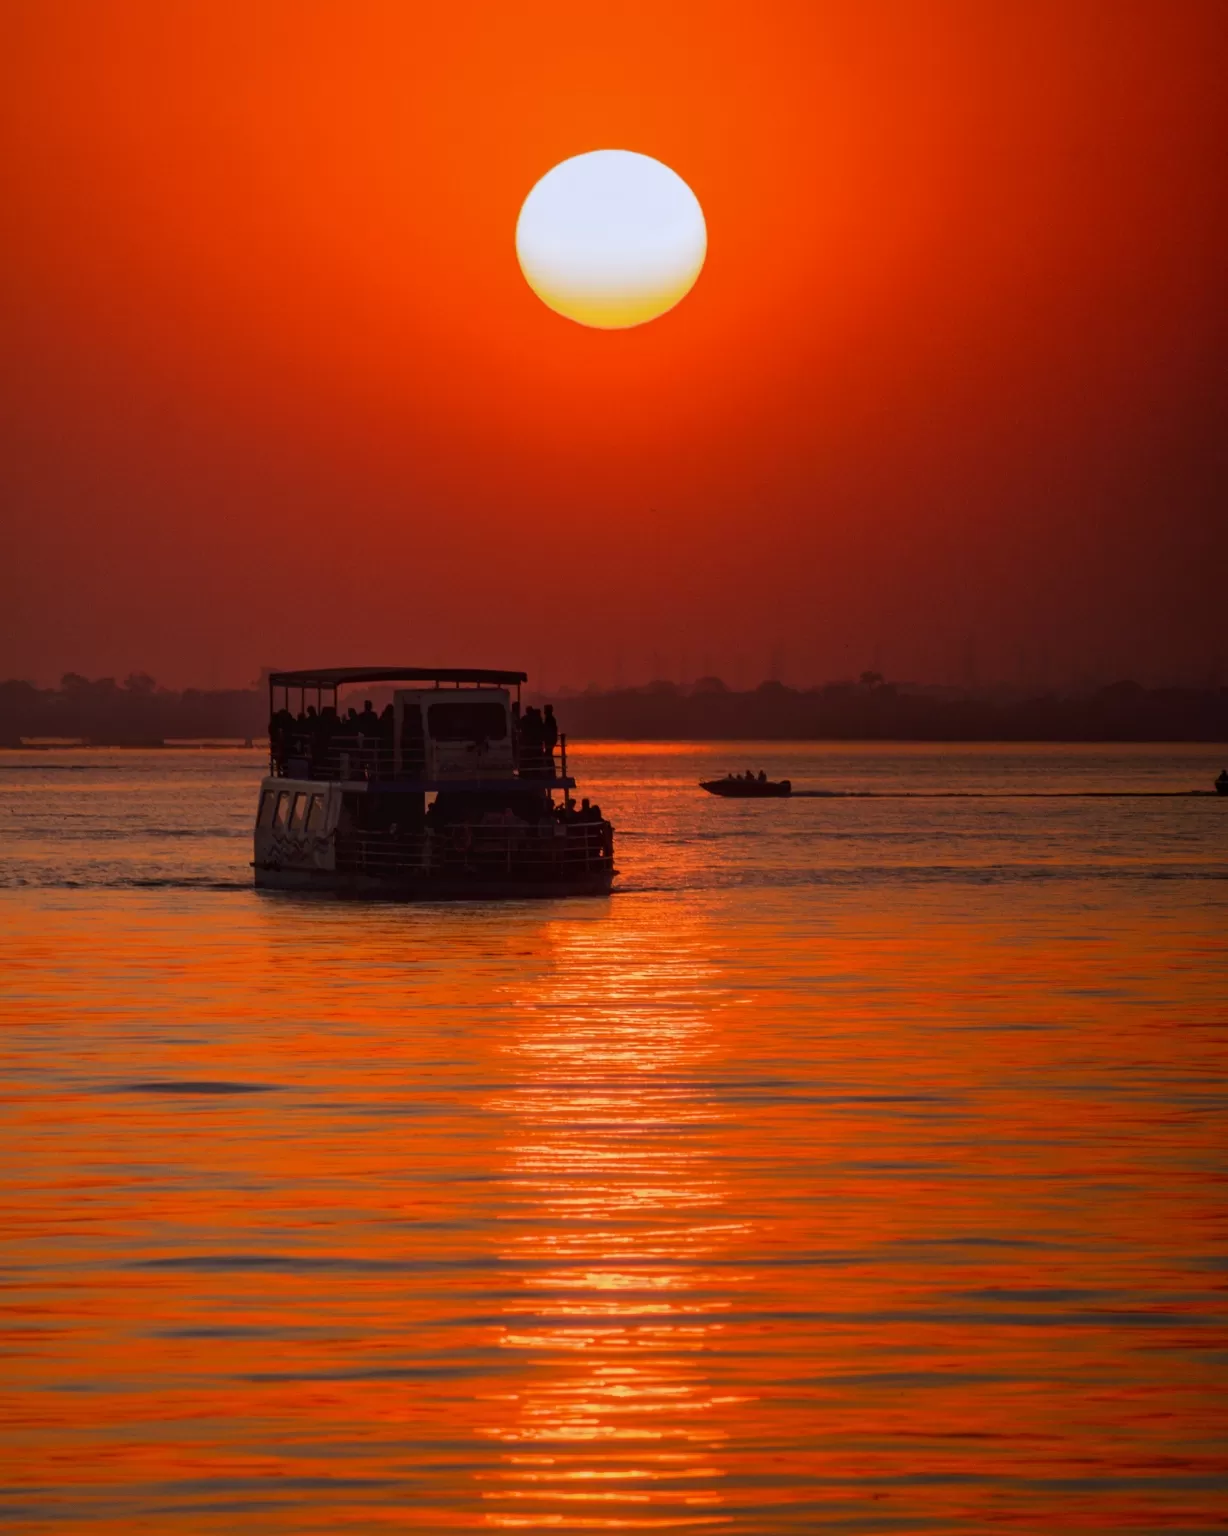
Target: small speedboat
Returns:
[[735, 787]]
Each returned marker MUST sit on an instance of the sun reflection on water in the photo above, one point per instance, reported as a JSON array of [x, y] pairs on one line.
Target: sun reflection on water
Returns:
[[620, 1213]]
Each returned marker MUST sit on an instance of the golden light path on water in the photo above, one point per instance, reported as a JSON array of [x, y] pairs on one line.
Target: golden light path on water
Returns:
[[621, 1199], [859, 1168]]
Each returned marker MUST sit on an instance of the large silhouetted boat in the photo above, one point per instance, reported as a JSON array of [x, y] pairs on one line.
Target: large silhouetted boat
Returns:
[[744, 787], [449, 792]]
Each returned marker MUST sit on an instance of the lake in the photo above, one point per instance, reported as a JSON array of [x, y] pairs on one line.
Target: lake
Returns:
[[859, 1165]]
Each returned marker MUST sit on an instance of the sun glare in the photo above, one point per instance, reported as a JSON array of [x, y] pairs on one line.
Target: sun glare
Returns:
[[611, 239]]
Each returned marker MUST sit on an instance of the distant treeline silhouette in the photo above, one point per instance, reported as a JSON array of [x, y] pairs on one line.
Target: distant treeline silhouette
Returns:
[[133, 713], [138, 713], [875, 710]]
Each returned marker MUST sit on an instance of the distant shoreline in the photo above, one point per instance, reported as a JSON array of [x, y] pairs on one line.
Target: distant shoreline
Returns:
[[139, 714], [261, 747], [83, 744]]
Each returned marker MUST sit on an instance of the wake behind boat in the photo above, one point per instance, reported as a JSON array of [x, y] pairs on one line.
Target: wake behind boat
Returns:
[[747, 786]]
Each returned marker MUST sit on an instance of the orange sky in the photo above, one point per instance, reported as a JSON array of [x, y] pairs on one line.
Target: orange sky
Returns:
[[950, 392]]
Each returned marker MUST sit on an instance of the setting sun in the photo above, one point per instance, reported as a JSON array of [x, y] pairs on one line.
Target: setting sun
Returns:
[[611, 239]]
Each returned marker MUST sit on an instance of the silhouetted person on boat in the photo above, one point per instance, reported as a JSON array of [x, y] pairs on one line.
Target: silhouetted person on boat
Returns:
[[323, 737], [1221, 783], [298, 738], [281, 725], [550, 732], [762, 777], [385, 726], [366, 739], [345, 731], [531, 742]]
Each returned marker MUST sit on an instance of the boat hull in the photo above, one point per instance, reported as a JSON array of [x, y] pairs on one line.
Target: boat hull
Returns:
[[744, 790], [339, 838], [367, 887]]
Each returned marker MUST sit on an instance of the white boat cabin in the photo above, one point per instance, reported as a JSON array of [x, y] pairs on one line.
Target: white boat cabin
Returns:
[[453, 734]]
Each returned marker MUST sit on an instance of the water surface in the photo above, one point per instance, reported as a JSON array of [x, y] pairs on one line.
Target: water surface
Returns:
[[860, 1165]]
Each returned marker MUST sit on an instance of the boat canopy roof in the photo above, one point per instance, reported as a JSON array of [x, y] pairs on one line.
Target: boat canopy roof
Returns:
[[339, 677]]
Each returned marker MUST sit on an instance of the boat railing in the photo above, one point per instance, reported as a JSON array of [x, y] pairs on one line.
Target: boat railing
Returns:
[[547, 850], [374, 759]]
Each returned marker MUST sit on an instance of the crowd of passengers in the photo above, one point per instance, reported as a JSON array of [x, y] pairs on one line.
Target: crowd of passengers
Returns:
[[447, 813], [318, 737], [313, 734], [464, 834], [457, 836]]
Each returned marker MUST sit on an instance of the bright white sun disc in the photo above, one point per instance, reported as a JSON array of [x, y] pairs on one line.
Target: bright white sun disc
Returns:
[[611, 238]]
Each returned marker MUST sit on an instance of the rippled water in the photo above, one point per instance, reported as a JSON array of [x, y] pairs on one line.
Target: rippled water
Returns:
[[859, 1166]]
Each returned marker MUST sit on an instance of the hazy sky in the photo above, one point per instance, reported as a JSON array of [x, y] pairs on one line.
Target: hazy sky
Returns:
[[950, 392]]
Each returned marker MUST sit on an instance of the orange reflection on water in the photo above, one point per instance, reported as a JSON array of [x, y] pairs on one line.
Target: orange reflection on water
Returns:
[[661, 1213], [619, 1207]]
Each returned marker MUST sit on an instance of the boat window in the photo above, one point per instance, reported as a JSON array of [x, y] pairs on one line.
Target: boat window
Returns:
[[316, 814], [264, 816], [282, 818], [299, 814], [467, 722]]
